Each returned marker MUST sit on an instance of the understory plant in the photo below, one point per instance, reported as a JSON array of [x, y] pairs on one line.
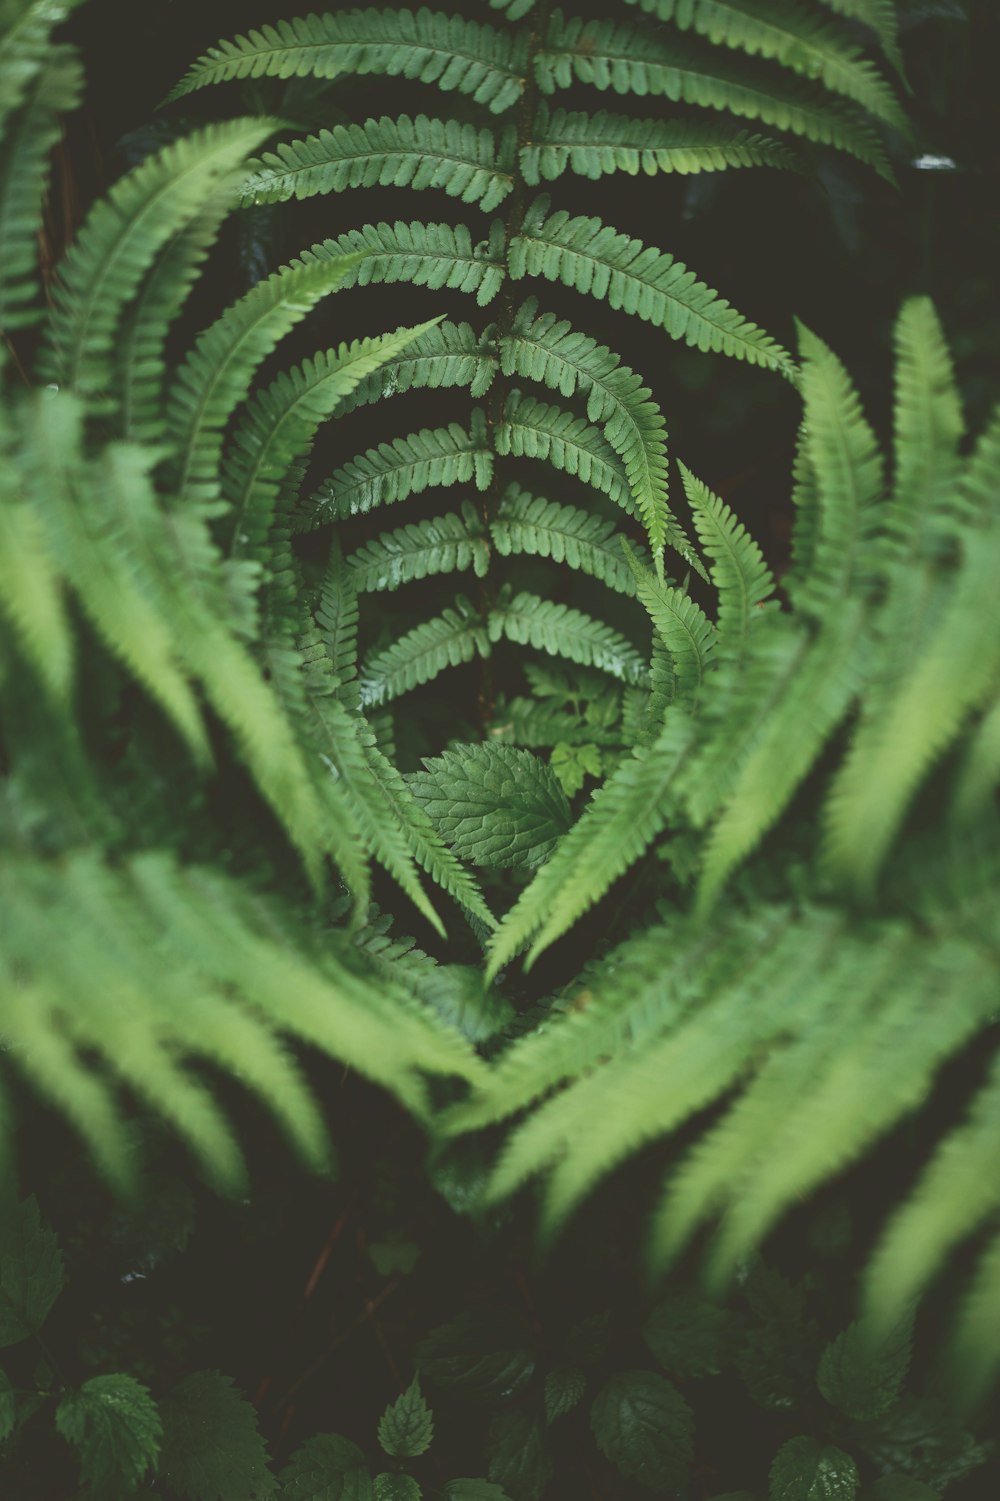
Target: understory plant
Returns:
[[699, 855]]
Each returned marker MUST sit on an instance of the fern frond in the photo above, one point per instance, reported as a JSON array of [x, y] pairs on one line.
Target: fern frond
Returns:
[[24, 168], [535, 430], [441, 544], [498, 807], [213, 379], [25, 47], [455, 636], [451, 354], [280, 424], [590, 257], [445, 50], [979, 773], [565, 632], [407, 466], [593, 145], [543, 528], [633, 61], [684, 629], [971, 1358], [337, 622], [623, 817], [121, 237], [462, 161], [782, 30], [881, 16], [31, 595], [542, 349], [738, 570], [426, 255], [928, 428]]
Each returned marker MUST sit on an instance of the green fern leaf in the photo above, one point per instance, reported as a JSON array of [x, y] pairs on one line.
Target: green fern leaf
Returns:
[[881, 16], [590, 257], [213, 379], [496, 806], [337, 621], [448, 355], [684, 629], [528, 524], [121, 237], [629, 60], [449, 51], [25, 47], [565, 632], [739, 572], [621, 820], [441, 544], [593, 145], [426, 255], [462, 161], [928, 429], [406, 466], [453, 637], [782, 30], [535, 430], [971, 1359], [24, 170]]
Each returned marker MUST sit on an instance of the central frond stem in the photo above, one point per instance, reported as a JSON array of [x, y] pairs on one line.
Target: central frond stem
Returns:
[[490, 500]]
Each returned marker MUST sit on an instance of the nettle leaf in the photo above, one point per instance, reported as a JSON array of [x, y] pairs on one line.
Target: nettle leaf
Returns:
[[211, 1448], [643, 1425], [862, 1376], [564, 1386], [519, 1458], [497, 806], [393, 1487], [921, 1439], [114, 1424], [482, 1355], [687, 1333], [806, 1470], [326, 1467], [406, 1428], [474, 1490], [31, 1272], [8, 1407]]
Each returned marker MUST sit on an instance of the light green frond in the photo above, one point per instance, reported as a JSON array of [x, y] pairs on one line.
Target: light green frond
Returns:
[[683, 627], [543, 528], [456, 635], [979, 772], [498, 807], [24, 169], [623, 817], [783, 750], [565, 632], [928, 427], [337, 622], [121, 238], [451, 354], [783, 30], [591, 257], [460, 160], [881, 16], [630, 60], [25, 47], [31, 594], [425, 255], [593, 145], [972, 1355], [423, 460], [213, 379], [533, 429], [280, 424], [540, 348], [843, 457], [738, 569], [445, 50], [441, 544]]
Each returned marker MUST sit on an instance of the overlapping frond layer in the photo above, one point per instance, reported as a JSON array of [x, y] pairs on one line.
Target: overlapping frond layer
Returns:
[[441, 544], [738, 569], [458, 159], [545, 529], [456, 635], [453, 53], [561, 631]]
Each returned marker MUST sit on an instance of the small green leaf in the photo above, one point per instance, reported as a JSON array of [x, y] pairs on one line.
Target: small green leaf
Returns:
[[8, 1411], [518, 1456], [643, 1425], [806, 1470], [482, 1356], [564, 1386], [114, 1423], [31, 1273], [863, 1377], [326, 1468], [390, 1487], [474, 1490], [572, 764], [211, 1448], [406, 1428], [686, 1334]]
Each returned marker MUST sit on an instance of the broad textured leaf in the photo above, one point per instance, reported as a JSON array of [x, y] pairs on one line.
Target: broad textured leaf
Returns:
[[479, 1356], [211, 1448], [517, 1454], [406, 1428], [564, 1388], [643, 1425], [396, 1487], [687, 1334], [496, 806], [806, 1470], [862, 1375], [31, 1272], [114, 1424], [326, 1467]]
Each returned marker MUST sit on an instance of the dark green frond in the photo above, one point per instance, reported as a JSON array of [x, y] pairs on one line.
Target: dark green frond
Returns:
[[590, 257], [435, 48], [565, 632], [738, 569], [683, 627], [441, 544], [456, 635], [448, 355], [426, 255], [544, 528], [460, 160], [535, 430]]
